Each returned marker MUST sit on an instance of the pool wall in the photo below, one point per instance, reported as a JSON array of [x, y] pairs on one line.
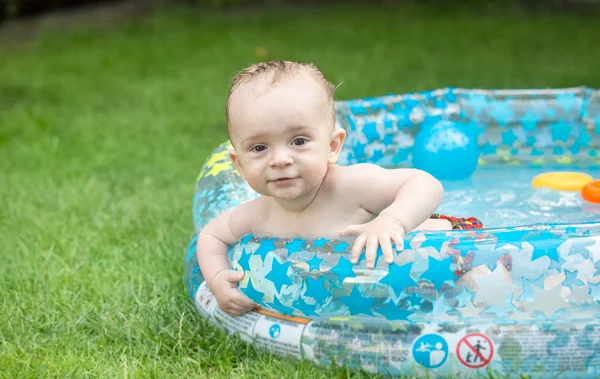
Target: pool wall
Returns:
[[537, 127]]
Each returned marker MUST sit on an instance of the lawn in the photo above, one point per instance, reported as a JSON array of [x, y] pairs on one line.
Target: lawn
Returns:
[[104, 129]]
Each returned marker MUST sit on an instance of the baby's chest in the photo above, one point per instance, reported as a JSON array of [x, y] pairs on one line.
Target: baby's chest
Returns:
[[322, 220]]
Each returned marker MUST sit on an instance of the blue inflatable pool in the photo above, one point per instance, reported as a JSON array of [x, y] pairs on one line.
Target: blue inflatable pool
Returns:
[[517, 297]]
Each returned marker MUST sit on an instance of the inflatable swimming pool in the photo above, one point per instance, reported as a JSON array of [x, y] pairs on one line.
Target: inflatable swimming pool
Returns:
[[518, 297]]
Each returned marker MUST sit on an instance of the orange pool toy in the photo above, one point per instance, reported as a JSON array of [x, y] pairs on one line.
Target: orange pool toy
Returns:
[[591, 192]]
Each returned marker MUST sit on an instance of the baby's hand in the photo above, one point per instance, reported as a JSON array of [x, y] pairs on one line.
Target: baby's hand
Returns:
[[229, 297], [380, 231]]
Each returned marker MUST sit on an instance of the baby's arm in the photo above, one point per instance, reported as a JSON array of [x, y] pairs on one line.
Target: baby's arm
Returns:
[[402, 198], [213, 241]]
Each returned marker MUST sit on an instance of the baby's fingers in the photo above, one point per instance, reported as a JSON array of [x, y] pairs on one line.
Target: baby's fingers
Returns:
[[352, 230], [242, 301], [357, 249], [237, 304], [398, 239], [386, 247], [233, 276], [233, 309], [372, 245]]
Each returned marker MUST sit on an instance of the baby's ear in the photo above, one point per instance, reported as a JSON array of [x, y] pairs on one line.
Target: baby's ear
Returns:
[[335, 145], [236, 162]]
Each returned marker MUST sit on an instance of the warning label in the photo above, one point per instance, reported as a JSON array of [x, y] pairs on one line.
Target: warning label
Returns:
[[243, 325], [475, 350], [280, 335], [368, 348], [205, 301]]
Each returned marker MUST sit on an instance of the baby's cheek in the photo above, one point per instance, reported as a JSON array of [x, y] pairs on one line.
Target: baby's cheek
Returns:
[[317, 179]]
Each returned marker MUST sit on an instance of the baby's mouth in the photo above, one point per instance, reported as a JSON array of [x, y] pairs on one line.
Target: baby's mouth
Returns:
[[283, 181]]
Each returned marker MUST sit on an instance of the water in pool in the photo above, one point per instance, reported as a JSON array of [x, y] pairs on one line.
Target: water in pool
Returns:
[[502, 196]]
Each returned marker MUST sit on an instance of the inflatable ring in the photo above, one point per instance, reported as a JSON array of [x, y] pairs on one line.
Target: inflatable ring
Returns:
[[516, 300], [591, 192], [561, 181]]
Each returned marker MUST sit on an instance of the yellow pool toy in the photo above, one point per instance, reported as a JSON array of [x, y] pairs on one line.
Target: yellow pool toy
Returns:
[[562, 181]]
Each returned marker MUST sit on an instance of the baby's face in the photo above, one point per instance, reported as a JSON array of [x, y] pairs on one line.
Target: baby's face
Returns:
[[282, 136]]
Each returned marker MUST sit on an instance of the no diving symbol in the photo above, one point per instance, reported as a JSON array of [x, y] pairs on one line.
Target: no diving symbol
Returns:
[[475, 350]]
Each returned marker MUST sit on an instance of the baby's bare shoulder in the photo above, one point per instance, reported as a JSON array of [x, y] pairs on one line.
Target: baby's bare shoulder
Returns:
[[364, 172], [237, 221], [367, 180], [251, 209], [356, 175]]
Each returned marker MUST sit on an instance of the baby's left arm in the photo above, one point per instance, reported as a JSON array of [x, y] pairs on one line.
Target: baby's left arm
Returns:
[[402, 199]]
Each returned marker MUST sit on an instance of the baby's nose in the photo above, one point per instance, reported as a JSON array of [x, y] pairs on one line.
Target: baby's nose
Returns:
[[281, 157]]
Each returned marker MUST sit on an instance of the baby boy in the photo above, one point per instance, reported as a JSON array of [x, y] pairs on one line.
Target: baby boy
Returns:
[[281, 122]]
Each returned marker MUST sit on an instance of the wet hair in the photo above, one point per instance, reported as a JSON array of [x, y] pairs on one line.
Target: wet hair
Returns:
[[277, 70]]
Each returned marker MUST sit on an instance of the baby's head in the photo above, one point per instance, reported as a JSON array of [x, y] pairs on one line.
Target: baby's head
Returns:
[[281, 122]]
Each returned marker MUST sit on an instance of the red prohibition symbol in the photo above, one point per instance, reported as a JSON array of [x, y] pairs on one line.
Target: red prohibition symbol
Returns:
[[475, 350]]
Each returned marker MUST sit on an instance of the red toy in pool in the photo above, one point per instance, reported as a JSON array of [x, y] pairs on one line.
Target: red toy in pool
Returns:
[[460, 223]]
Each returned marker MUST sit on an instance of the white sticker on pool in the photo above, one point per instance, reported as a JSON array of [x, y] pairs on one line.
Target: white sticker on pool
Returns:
[[279, 335]]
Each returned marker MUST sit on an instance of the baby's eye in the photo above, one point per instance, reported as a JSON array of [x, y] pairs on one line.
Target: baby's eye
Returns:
[[299, 141], [258, 148]]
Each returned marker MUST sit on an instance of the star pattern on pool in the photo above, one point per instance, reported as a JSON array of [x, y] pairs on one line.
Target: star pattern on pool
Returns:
[[465, 246], [545, 245], [595, 291], [439, 272], [511, 237], [253, 294], [464, 297], [488, 257], [266, 246], [315, 288], [245, 239], [343, 269], [556, 265], [278, 274], [306, 309], [341, 247], [527, 293], [279, 307], [295, 245], [370, 131], [244, 260], [320, 242], [414, 300], [393, 312], [314, 263], [357, 303], [571, 279], [398, 278]]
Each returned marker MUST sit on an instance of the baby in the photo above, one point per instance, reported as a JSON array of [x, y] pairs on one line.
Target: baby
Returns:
[[281, 122]]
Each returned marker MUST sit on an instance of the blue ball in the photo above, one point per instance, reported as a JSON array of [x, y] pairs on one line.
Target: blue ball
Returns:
[[447, 150]]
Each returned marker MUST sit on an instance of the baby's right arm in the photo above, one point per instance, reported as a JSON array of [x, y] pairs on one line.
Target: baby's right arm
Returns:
[[213, 241]]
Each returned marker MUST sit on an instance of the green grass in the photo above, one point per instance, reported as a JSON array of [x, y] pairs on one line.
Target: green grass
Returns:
[[102, 134]]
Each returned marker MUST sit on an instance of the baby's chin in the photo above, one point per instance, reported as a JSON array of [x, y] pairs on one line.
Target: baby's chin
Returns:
[[275, 196], [289, 194], [286, 197]]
